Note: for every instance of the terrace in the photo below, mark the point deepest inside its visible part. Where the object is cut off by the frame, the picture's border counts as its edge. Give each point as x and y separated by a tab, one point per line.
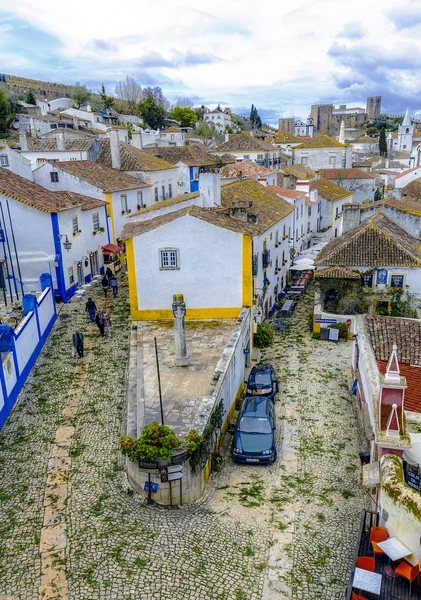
392	588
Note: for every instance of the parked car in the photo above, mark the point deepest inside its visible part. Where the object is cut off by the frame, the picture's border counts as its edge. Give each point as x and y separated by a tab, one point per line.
254	436
263	381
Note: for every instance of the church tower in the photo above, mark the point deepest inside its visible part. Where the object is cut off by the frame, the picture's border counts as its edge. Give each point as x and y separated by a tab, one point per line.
405	134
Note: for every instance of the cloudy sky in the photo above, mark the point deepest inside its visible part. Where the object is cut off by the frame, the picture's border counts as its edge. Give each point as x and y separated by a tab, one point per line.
280	55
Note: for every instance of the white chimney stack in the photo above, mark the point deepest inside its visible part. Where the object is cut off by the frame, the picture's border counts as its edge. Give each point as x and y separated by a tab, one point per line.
61	142
115	149
137	139
314	196
342	133
75	123
210	188
23	142
227	137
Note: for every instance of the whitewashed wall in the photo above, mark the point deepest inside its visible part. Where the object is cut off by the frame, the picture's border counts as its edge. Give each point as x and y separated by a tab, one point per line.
36	156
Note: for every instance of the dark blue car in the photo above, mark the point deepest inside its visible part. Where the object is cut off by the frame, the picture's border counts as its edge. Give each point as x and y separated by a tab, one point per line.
254	437
262	381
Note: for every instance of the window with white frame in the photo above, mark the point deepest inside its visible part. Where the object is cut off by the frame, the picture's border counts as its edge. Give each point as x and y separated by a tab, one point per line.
246	156
397	281
140	199
71	275
302	208
260	157
169	258
308	227
4	161
332	160
75	225
302	230
95	221
304	160
170	190
123	200
309	211
155	191
163	191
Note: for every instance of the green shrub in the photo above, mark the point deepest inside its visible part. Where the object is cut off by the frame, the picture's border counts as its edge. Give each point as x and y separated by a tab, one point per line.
156	441
264	335
316	335
343	330
193	440
310	320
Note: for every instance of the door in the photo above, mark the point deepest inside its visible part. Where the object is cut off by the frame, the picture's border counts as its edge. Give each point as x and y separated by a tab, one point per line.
80	274
94	263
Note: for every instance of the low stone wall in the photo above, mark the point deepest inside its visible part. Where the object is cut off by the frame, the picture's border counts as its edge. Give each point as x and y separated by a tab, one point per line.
229	377
400	506
324	319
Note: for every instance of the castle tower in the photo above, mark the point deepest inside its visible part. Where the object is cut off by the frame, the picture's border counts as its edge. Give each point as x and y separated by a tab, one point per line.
374	107
405	134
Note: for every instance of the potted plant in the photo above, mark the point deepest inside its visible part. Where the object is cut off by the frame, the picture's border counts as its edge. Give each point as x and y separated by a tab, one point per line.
102	229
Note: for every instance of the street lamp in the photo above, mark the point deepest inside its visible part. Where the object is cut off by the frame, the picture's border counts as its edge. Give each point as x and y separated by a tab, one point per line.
67	244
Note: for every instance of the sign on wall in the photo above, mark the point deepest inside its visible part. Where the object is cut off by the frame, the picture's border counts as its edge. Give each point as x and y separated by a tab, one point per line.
381	276
413	478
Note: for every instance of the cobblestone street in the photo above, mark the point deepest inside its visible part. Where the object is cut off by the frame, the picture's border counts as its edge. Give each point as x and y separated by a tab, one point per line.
71	528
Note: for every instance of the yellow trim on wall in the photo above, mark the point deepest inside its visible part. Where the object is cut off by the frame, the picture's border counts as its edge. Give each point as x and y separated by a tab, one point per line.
247	277
131	274
110	213
166	314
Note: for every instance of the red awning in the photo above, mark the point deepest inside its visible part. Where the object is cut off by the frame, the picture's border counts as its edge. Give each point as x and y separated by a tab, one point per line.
111	249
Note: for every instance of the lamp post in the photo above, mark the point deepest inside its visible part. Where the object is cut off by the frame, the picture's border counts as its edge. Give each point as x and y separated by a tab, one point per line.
67	244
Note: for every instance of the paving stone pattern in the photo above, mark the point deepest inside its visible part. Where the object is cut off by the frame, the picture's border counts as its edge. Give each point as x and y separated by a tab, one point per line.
104	542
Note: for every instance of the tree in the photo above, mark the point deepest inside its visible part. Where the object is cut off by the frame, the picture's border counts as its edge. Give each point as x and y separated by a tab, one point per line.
219	107
382	142
4	111
158	96
106	101
183	102
199	110
185	116
205	131
129	90
152	112
255	120
80	95
30	97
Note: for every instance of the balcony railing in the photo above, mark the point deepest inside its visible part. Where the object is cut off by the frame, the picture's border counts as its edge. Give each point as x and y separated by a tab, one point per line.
266	259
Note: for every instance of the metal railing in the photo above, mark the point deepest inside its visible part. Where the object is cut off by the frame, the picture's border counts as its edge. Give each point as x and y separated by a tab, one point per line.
372	520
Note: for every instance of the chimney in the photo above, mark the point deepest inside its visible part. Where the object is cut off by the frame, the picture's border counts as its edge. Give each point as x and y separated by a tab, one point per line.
210	188
386	164
115	149
251	132
227	137
392	396
61	142
263	181
240	175
75	123
351	217
88	108
32	128
314	196
137	139
180	344
302	186
342	133
23	142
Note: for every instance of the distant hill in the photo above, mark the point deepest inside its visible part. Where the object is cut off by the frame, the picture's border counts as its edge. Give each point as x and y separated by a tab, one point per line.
41	89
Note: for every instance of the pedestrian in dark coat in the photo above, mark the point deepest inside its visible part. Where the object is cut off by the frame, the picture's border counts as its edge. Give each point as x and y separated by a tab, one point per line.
99	320
91	309
109	273
107	322
105	285
78	341
114	285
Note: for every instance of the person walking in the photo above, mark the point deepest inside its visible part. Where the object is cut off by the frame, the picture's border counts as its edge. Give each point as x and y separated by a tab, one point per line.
107	322
91	309
99	320
114	285
105	285
78	341
108	273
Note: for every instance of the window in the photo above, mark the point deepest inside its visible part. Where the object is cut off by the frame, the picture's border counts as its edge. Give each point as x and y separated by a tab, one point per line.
246	156
296	212
71	275
304	160
54	177
336	232
172	136
318	207
4	161
332	160
296	234
260	157
95	221
277	236
309	211
289	232
367	280
302	207
336	211
170	190
140	199
283	256
308	227
276	264
169	259
75	225
302	231
396	281
284	231
270	237
155	191
123	200
163	192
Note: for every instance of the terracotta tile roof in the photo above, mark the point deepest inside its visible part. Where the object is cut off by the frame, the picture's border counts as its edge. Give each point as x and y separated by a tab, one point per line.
104	178
172	129
412	400
386	331
243	142
266	206
408	205
337	273
329	190
322	141
34	195
377	241
346	174
298	171
228	158
132	159
408	171
412	190
287	193
50	144
283	137
192	156
248	168
165	203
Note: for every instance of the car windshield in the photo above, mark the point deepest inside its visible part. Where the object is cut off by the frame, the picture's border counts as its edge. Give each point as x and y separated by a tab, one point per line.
250	424
263	379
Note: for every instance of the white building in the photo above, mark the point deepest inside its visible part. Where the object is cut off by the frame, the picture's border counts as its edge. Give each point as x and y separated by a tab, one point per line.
361	183
47	106
332	199
37	223
245	146
220	260
248	169
121	193
14	161
323	152
98	120
218	119
58	148
304	128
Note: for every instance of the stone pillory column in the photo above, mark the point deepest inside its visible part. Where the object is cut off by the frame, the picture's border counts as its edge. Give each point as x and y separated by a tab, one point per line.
179	312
